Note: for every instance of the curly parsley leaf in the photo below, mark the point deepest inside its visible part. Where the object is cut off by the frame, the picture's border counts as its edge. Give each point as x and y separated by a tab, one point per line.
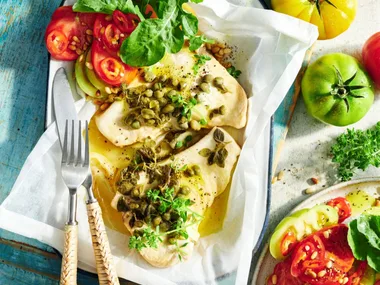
201	60
148	238
234	72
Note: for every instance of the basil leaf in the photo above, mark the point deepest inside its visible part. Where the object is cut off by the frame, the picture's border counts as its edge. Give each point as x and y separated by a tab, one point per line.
153	38
357	241
106	6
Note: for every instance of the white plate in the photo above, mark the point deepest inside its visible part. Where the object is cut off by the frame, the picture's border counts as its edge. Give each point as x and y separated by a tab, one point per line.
266	262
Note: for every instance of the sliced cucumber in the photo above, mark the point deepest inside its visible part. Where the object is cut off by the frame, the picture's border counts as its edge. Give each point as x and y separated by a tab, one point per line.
369	277
302	223
81	78
94	79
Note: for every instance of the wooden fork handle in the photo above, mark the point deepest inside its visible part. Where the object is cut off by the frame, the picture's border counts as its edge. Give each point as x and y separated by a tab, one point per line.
70	256
103	256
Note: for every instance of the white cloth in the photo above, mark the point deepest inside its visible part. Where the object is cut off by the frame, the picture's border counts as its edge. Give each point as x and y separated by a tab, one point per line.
270	52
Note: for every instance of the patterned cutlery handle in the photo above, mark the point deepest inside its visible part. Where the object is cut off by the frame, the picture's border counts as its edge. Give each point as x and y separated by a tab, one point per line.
70	256
103	256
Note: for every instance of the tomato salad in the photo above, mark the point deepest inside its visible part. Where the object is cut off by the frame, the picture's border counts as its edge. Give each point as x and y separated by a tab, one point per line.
317	248
71	34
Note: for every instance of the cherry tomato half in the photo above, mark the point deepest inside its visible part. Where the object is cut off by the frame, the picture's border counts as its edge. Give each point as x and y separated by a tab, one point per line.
101	22
288	242
343	207
126	23
281	275
57	43
355	277
112	37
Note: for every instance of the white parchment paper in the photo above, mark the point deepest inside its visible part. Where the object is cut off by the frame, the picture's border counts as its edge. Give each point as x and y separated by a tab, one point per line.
271	48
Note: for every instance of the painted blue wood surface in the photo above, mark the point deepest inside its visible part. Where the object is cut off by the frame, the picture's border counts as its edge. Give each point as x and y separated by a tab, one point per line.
23	83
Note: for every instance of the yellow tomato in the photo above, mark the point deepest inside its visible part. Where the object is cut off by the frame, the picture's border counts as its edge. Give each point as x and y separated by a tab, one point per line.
332	17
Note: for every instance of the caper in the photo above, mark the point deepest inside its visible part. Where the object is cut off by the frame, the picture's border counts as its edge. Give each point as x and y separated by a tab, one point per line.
147	114
157	86
136	193
134	206
136	125
145	100
151	122
182	85
222	110
163	78
138	224
171	93
163	101
219	82
189	171
182	120
208	78
197	170
158	94
185	190
175	82
166	216
184	126
164	227
154	104
148	93
205	87
149	76
147	219
157	220
143	206
168	109
172	240
195	125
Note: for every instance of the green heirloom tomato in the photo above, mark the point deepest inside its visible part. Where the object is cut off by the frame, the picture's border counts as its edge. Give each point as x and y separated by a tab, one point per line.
337	90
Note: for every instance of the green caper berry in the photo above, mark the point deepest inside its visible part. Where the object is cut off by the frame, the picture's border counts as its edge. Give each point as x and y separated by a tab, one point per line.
175	82
182	85
222	110
147	114
134	206
151	122
195	125
138	224
218	81
136	125
163	78
157	86
185	190
135	193
171	93
205	87
182	120
148	93
163	101
172	240
197	170
154	104
168	109
149	76
157	220
166	216
208	78
158	94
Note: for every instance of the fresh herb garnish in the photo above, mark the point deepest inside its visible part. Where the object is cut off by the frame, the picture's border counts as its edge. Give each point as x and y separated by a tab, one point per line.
152	38
356	149
234	72
184	106
201	60
148	238
197	41
203	122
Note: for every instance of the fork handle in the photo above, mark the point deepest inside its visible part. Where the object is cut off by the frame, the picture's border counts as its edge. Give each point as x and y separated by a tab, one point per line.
103	256
69	258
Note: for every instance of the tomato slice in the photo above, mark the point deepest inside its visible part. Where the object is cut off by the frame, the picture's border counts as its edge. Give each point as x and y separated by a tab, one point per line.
100	24
281	275
63	12
126	23
288	242
112	37
377	283
343	207
109	67
57	43
355	277
87	19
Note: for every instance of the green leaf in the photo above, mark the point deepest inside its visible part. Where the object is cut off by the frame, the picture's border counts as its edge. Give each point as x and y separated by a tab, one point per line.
369	226
189	24
107	6
203	122
357	241
197	41
179	144
373	259
234	72
201	60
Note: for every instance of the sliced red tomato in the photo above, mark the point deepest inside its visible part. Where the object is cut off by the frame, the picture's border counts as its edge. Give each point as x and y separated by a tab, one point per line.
149	10
288	242
57	43
357	275
110	68
281	275
63	12
377	283
101	22
87	19
343	207
112	37
126	23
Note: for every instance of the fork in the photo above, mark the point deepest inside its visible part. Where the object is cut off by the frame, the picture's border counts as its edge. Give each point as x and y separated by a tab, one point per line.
76	172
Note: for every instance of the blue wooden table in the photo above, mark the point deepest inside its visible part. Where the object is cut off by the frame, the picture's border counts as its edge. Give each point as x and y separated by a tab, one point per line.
23	84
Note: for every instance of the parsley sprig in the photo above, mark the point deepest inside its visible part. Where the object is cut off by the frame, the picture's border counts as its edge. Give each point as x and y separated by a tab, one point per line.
356	149
184	105
234	72
201	60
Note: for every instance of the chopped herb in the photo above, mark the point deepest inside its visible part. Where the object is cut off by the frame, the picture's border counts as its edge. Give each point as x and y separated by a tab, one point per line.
179	144
233	71
188	139
201	60
203	122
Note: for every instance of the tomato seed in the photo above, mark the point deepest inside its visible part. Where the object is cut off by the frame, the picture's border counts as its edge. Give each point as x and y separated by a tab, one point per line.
89	32
79	51
75	38
109	18
307	247
314	255
102	30
345	280
274	279
311	273
72	47
89	65
326	234
322	273
329	264
108	90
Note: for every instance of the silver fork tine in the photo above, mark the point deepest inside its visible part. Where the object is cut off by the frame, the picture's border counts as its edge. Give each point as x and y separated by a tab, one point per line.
86	150
64	148
72	150
79	157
